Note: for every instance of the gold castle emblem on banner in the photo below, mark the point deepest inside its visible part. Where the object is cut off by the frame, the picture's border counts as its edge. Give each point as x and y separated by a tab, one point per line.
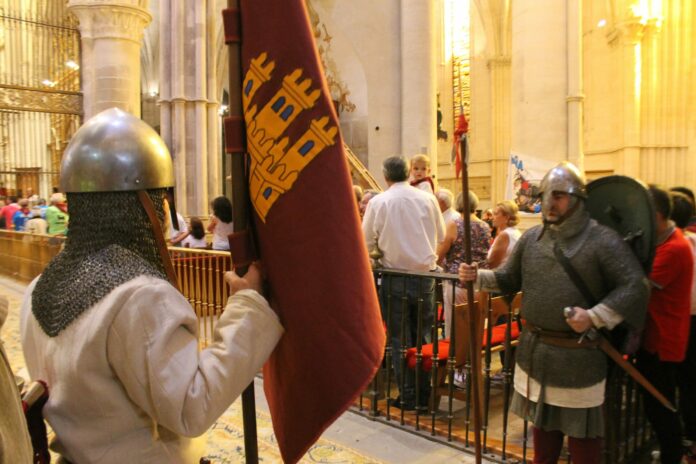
275	167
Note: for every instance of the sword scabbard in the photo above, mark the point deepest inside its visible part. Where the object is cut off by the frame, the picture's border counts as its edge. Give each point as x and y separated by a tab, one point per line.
630	369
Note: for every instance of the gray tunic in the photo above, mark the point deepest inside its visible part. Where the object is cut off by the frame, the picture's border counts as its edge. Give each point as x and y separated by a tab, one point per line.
608	267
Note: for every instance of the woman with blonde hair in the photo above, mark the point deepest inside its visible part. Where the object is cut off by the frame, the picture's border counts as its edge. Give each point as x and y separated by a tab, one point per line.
505	217
451	251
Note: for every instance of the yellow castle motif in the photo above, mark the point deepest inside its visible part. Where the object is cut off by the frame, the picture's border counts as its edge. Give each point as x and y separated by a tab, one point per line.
274	166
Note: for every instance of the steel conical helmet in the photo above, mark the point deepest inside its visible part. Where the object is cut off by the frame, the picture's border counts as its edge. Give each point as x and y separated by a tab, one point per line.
115	151
565	177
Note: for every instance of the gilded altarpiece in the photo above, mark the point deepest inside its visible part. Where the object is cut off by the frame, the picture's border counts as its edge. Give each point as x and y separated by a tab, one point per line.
40	98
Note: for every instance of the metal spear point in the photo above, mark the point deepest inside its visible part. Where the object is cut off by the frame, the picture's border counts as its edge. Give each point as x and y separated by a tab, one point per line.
473	312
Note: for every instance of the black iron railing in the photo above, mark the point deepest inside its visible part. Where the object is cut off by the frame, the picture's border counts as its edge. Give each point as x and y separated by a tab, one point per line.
426	355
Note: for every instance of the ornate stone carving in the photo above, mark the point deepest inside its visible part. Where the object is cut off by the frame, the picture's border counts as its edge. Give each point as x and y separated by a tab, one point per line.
340	92
111	19
26	99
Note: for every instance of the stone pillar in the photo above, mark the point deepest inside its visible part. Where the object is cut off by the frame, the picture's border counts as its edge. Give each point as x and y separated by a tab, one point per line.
213	94
540	79
112	33
630	34
190	124
500	125
575	96
418	80
491	93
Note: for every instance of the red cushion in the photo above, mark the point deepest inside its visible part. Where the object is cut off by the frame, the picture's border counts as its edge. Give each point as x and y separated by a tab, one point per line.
427	352
498	334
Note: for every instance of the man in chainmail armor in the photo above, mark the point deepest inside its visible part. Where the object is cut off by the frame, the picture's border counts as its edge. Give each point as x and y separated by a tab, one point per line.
560	377
104	327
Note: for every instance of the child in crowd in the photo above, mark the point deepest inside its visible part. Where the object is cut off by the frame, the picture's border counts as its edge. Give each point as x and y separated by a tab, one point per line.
196	237
221	223
420	174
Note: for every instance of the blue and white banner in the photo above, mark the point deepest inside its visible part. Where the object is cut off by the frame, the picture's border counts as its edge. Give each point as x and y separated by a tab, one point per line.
524	175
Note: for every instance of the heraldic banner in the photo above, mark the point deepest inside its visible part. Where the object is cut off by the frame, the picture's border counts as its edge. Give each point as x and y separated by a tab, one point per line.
523	178
308	229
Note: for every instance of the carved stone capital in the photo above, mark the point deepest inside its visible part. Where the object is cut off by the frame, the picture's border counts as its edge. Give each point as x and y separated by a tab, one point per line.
117	19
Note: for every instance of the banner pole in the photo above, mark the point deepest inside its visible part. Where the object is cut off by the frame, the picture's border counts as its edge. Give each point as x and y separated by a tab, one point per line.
473	309
240	209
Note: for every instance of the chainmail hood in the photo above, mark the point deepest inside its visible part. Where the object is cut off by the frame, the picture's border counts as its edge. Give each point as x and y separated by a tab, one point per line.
110	241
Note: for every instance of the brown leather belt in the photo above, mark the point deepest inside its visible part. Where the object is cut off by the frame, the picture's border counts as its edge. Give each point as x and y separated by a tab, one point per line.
561	339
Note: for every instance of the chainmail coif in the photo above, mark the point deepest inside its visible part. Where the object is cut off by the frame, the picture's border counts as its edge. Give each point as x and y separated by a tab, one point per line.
110	242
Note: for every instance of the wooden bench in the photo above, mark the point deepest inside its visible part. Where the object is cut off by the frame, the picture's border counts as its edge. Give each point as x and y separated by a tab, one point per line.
490	310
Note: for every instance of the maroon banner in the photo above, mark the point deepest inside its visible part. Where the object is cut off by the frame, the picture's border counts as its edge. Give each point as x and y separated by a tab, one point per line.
308	229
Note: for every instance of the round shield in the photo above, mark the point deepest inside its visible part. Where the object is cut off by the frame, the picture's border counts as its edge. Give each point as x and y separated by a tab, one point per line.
624	204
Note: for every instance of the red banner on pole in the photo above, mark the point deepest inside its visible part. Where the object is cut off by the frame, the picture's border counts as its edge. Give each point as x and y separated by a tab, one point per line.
308	229
461	131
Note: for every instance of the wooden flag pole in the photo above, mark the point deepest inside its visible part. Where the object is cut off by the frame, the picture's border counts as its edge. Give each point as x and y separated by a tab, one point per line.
473	312
240	200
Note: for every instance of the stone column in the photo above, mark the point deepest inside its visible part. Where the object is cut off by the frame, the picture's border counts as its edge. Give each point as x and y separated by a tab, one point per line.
112	33
188	105
630	34
540	79
491	96
500	125
575	96
418	80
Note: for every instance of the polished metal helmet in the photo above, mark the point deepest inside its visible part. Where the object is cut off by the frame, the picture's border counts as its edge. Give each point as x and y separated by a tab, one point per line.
113	152
565	177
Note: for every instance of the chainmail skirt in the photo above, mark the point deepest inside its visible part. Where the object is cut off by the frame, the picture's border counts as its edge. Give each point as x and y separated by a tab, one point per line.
574	422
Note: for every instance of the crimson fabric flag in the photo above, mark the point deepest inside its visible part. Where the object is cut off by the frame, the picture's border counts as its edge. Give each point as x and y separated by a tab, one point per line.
460	133
307	229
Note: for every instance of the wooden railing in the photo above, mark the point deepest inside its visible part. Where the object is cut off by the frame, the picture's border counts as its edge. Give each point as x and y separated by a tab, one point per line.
24	256
361	176
200	273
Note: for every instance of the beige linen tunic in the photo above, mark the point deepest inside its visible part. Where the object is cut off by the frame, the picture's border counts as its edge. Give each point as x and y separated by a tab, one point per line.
15	444
127	381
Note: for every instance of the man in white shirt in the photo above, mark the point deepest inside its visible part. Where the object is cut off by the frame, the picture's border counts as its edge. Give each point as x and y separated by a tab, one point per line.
404	225
445	198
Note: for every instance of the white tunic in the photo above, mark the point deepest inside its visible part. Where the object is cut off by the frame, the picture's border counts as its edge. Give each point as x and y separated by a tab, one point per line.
127	381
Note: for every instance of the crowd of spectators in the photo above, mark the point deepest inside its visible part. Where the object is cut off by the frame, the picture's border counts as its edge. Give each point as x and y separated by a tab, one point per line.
31	214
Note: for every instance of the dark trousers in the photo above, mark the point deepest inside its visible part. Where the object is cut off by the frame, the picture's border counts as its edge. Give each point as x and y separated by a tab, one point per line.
400	299
687	386
665	423
547	448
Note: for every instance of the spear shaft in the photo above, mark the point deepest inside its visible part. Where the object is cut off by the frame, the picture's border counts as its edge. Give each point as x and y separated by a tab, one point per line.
473	309
240	211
